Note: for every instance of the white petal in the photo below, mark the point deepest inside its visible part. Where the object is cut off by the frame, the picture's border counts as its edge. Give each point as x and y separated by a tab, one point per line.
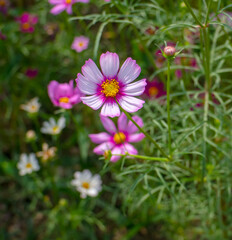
109	64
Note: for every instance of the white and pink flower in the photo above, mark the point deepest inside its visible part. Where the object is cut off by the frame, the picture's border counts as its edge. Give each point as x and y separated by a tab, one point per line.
61	5
112	85
117	140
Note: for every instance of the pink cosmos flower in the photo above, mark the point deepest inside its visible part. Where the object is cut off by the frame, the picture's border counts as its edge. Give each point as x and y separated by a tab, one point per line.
27	22
201	97
31	72
63	95
2	36
111	84
61	5
117	139
154	89
80	43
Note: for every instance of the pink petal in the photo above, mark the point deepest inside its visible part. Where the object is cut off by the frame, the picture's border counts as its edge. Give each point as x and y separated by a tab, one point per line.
69	9
109	64
91	72
122	122
94	101
66	105
52	86
100	149
136	137
129	71
110	109
130	149
99	137
131	104
58	9
108	124
86	86
75	99
131	127
55	1
135	89
116	150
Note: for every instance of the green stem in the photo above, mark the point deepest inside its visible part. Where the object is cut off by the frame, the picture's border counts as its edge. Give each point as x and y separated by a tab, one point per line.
168	110
144	132
143	157
192	13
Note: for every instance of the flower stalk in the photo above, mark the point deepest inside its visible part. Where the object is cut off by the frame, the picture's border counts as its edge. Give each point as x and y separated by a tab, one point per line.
168	110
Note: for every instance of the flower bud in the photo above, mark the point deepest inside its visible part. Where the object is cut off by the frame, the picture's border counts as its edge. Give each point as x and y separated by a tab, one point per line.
169	51
30	135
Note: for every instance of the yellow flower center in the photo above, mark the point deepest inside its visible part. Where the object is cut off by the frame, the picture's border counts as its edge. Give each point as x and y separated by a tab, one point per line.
55	129
85	185
25	26
64	100
153	91
119	138
28	165
81	44
110	87
68	1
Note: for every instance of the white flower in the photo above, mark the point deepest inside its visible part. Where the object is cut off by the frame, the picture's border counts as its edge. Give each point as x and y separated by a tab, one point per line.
30	135
52	127
31	106
87	184
27	164
46	153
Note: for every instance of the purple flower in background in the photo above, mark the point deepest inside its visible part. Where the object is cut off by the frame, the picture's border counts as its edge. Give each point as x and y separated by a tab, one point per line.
112	85
61	5
117	140
27	22
201	97
80	43
2	36
186	62
4	4
224	18
154	89
63	95
31	72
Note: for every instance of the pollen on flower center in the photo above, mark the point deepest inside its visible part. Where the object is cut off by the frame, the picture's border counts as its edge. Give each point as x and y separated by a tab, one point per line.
85	185
64	100
153	91
25	25
119	138
81	44
68	1
28	165
110	87
55	129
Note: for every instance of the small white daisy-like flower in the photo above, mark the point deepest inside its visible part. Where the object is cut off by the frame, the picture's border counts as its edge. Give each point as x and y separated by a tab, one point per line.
46	153
31	106
87	184
30	135
27	164
52	127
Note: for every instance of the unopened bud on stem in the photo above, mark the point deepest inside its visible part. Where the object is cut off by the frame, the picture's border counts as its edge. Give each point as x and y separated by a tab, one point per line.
169	51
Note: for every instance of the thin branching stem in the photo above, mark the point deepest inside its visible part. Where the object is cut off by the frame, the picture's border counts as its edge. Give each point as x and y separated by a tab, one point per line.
168	110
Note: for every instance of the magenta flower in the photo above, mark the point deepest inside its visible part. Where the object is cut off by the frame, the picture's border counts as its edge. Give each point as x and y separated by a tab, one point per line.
63	95
185	61
2	36
154	89
111	85
201	97
117	140
27	22
4	5
80	43
31	72
61	5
